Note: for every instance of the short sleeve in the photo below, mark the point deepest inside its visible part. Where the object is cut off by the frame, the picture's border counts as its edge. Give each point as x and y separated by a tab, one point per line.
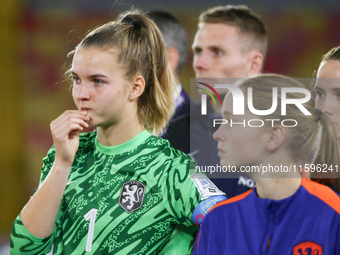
22	241
179	191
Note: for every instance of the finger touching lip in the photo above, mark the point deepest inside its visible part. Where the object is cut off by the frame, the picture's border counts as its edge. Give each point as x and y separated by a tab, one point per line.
88	129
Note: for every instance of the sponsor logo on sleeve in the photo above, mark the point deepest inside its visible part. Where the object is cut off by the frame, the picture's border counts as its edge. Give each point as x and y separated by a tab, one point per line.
205	186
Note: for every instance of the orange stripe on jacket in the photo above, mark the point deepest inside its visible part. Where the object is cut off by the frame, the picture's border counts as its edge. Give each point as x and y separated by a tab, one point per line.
231	200
323	192
198	238
224	202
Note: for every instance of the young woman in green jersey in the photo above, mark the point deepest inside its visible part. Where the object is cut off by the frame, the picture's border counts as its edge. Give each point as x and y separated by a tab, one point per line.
119	189
327	91
286	213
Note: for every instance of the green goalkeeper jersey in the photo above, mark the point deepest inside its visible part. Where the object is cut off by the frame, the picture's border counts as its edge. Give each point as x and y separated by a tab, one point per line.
125	199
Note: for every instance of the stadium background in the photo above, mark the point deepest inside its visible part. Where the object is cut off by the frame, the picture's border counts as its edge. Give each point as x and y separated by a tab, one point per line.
36	35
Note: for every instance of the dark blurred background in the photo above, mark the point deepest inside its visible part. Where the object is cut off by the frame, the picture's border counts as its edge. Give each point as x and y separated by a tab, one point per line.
36	36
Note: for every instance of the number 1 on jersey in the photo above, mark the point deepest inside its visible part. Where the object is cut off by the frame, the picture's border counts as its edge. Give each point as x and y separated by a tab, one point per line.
91	215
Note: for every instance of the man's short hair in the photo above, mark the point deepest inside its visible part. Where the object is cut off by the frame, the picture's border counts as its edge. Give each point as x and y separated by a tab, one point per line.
173	33
244	19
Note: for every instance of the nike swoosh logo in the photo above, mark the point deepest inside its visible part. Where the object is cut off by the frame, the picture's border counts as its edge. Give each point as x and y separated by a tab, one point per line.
70	182
193	153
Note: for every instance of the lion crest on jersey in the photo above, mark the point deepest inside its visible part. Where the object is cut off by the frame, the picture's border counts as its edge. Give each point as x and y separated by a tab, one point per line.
132	196
307	248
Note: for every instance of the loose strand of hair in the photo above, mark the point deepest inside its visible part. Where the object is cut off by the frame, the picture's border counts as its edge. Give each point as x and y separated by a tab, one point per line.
327	156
